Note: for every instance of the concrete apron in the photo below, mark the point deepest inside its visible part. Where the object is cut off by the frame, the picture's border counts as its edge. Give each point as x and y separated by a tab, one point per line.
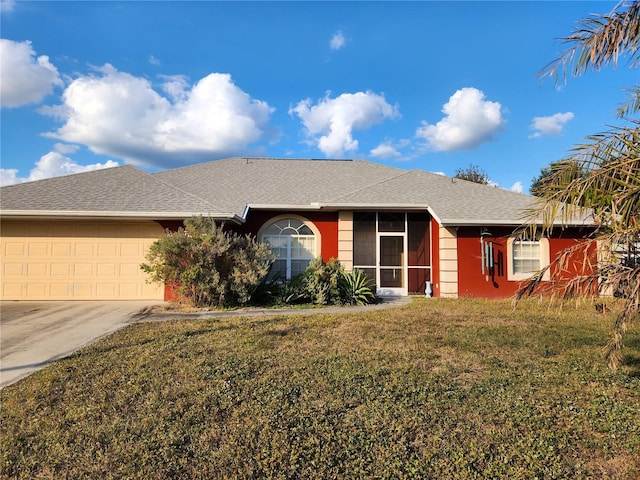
35	334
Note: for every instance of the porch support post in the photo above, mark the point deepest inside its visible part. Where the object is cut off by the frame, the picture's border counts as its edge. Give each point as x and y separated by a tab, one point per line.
448	262
345	240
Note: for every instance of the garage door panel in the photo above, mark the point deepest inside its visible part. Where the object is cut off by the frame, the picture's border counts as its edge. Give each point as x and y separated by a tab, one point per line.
37	289
131	250
83	290
37	249
13	269
61	290
85	249
129	269
108	249
12	290
83	270
60	261
15	249
60	269
40	269
61	249
107	269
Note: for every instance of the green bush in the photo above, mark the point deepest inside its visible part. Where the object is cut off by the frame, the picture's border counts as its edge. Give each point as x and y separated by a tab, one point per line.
356	289
211	267
328	284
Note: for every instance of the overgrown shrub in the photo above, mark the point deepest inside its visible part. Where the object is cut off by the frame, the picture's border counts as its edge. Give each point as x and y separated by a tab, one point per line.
208	265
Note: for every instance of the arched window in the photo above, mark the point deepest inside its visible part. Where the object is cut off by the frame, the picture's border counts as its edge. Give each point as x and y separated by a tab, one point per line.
294	244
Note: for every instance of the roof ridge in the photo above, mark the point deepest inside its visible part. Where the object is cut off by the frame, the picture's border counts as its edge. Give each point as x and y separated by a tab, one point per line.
181	190
353	192
88	172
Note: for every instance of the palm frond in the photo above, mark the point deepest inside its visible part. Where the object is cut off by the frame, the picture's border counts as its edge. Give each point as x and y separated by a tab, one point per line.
632	105
601	177
598	41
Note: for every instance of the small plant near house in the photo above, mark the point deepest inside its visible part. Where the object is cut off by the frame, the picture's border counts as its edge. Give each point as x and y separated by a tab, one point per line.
355	288
328	284
210	266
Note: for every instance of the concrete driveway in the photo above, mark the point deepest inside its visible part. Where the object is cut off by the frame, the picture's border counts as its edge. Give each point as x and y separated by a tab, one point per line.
34	334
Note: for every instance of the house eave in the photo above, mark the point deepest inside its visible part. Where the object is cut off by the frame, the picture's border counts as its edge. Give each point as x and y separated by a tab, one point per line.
111	215
342	206
453	222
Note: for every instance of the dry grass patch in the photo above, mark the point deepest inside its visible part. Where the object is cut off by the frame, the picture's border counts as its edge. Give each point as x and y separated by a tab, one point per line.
436	389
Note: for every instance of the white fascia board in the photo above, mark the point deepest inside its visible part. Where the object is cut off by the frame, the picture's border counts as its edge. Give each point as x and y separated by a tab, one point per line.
341	206
278	206
385	206
374	206
83	214
452	222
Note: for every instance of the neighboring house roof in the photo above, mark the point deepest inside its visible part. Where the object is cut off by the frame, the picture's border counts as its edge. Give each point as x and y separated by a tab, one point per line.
229	188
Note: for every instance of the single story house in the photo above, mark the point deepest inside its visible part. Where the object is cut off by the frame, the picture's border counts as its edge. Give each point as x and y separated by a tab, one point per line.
84	236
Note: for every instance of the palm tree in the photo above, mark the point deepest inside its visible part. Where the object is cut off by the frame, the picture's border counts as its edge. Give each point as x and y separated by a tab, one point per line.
602	175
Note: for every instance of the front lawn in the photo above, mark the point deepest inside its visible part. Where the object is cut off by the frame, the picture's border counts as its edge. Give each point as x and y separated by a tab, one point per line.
435	389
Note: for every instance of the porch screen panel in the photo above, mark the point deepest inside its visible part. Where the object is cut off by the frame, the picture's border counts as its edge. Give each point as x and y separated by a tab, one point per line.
364	239
418	239
417	278
371	275
391	222
419	254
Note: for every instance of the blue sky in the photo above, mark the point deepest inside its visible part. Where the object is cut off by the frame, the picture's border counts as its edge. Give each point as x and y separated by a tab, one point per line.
428	85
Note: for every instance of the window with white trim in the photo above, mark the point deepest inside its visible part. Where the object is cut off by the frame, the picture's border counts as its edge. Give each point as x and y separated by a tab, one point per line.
293	244
526	256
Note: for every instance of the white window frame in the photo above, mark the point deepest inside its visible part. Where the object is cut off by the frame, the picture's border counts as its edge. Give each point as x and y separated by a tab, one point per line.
544	258
263	236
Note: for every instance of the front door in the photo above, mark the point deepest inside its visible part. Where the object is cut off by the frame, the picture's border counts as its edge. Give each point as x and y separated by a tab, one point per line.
391	261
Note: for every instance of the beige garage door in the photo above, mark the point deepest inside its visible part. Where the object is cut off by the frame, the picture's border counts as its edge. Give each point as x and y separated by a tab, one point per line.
76	260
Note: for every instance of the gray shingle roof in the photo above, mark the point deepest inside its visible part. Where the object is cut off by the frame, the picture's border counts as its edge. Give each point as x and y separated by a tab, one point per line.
452	201
226	188
113	191
235	183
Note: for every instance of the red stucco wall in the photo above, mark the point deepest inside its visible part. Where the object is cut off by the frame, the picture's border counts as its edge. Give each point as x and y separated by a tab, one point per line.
325	222
473	283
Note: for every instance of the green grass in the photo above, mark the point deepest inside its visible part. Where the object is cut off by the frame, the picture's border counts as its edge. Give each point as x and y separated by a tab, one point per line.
436	389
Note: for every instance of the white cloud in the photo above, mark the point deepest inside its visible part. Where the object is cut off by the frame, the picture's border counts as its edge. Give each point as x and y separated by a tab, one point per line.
118	114
469	121
176	86
7	5
551	125
516	187
65	148
337	41
24	78
53	164
385	150
153	60
331	122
